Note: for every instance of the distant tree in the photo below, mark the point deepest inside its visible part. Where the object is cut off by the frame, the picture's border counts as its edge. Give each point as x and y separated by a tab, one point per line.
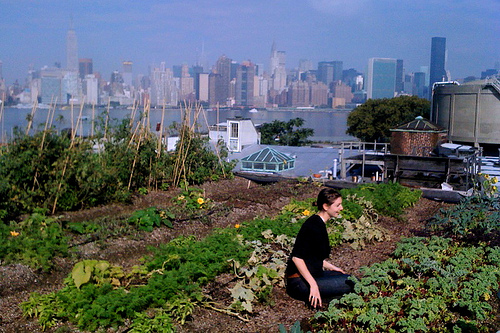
373	120
285	133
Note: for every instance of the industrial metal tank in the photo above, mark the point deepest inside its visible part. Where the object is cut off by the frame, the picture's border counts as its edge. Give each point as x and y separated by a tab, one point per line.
470	112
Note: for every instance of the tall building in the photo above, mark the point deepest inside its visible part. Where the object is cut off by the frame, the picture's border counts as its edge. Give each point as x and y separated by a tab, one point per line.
71	49
91	89
1	76
399	76
330	71
438	62
342	90
127	73
325	72
222	84
163	90
51	91
201	86
277	68
318	93
85	67
381	78
419	85
214	97
299	94
305	65
245	78
186	84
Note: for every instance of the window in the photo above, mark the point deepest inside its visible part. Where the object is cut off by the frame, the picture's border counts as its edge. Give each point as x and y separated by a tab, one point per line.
234	130
270	166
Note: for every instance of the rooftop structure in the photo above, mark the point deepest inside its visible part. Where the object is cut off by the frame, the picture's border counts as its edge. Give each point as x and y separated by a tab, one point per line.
470	112
267	160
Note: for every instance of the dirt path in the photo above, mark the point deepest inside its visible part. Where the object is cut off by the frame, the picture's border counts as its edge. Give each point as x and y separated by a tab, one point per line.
243	201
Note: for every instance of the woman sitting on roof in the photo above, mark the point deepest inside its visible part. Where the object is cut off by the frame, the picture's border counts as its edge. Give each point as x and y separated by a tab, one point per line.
309	277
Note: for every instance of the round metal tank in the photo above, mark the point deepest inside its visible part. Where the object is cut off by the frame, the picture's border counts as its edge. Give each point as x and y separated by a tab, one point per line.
470	112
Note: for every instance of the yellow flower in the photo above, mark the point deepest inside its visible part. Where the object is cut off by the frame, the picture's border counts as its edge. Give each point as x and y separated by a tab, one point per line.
14	233
200	201
494	188
486	176
180	197
494	180
306	212
486	296
237	226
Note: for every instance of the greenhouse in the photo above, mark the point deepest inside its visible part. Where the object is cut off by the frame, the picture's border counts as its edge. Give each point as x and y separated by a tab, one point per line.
267	160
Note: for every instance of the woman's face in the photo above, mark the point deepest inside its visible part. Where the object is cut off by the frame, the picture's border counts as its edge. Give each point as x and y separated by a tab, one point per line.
334	209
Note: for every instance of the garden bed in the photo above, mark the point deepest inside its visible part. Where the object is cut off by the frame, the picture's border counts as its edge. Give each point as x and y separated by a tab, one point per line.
238	201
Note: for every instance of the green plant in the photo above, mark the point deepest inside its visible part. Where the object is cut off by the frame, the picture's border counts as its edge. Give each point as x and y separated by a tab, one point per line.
181	306
34	241
157	322
82	228
486	185
98	272
432	285
475	220
59	172
263	270
147	219
388	199
362	230
192	199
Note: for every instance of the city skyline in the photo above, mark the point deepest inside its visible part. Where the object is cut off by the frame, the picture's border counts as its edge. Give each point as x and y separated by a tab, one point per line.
149	32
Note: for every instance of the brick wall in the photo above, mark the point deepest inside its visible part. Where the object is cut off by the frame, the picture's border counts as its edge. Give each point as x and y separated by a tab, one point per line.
415	143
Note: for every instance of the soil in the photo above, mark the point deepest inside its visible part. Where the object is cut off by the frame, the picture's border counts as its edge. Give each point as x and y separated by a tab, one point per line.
243	201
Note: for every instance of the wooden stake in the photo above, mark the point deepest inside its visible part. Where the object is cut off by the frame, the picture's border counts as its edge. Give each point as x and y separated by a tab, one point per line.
32	116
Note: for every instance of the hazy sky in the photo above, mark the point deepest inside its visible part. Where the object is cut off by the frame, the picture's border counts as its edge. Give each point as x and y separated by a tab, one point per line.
148	32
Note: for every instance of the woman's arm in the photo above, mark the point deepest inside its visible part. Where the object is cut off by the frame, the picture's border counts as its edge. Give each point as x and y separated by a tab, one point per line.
331	267
314	295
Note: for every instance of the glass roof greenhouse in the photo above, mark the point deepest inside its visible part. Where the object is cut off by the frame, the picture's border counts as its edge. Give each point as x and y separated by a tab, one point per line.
267	160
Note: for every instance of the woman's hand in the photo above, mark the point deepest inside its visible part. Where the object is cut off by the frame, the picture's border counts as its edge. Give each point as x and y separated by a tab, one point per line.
330	267
314	296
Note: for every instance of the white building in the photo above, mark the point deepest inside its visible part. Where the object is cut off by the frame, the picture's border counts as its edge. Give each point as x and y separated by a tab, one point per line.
236	133
163	87
91	89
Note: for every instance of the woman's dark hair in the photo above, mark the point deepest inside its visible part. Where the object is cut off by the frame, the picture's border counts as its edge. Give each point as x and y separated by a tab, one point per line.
326	196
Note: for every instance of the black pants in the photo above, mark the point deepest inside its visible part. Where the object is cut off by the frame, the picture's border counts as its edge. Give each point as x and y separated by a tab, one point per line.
332	284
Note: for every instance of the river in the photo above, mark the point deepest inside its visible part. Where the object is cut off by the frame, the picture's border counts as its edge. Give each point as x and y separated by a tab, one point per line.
328	124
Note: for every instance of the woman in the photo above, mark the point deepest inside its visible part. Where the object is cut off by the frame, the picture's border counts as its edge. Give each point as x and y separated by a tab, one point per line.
310	277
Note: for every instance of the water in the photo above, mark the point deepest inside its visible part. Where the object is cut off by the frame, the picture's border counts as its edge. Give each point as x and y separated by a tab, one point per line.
328	125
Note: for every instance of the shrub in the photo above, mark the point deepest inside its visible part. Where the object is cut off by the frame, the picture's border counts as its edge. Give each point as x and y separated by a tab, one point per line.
429	285
389	199
34	241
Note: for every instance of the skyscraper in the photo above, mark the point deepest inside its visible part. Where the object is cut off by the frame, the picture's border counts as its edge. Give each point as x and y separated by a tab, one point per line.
186	84
223	67
325	72
419	84
277	68
381	78
85	67
127	73
245	76
330	71
71	49
438	62
399	76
